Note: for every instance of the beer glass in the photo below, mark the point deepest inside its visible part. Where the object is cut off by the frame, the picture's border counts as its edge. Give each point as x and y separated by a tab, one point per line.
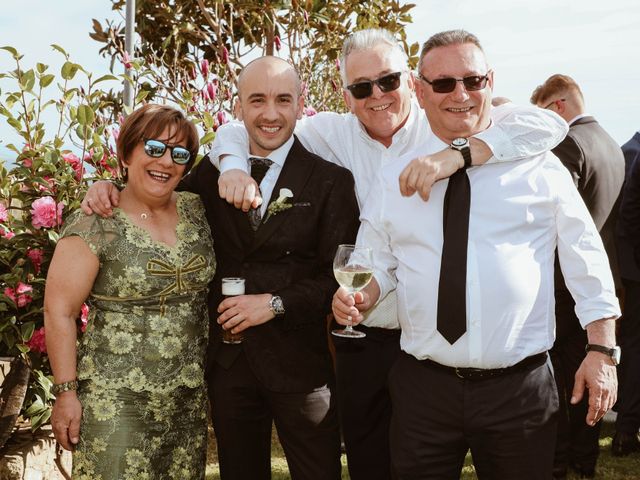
231	287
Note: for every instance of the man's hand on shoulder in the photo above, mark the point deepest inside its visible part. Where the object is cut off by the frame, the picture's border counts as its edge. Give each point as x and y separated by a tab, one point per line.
244	311
422	172
100	198
239	189
597	374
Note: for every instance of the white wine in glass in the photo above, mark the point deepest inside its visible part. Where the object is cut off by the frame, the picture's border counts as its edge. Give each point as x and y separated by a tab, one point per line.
353	268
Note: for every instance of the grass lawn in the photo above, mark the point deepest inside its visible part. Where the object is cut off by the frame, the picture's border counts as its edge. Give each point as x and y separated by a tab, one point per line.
609	468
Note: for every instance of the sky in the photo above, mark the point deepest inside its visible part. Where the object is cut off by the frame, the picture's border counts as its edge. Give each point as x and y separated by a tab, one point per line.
594	41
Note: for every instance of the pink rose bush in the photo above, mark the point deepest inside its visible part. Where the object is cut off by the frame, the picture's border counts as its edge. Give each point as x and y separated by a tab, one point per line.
37	342
4	214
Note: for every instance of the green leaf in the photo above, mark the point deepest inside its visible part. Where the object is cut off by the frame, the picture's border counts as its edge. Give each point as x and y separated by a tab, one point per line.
46	80
27	80
60	49
105	78
41	67
207	138
69	70
12	51
22	347
37	422
14	123
53	236
27	331
142	94
85	115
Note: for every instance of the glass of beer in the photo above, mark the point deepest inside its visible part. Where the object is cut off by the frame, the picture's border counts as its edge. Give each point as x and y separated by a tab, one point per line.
231	287
353	269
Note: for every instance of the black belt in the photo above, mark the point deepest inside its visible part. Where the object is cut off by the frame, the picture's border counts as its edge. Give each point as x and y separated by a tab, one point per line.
483	373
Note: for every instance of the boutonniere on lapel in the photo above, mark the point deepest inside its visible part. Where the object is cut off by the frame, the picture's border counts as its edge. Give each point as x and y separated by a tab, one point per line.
279	205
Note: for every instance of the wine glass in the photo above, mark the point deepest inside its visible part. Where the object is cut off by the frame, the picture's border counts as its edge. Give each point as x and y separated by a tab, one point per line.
353	269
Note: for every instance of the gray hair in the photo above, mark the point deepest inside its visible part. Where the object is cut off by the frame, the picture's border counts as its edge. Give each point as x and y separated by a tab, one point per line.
365	40
444	39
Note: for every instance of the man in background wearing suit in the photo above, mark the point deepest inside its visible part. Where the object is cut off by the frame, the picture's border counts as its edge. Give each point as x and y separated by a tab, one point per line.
626	440
596	164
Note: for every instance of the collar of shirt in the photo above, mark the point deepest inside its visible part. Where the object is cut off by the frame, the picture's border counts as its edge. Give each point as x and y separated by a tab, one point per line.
278	157
577	117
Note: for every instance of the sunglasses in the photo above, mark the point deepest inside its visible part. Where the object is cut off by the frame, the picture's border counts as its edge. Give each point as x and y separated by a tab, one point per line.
156	148
386	84
557	100
448	85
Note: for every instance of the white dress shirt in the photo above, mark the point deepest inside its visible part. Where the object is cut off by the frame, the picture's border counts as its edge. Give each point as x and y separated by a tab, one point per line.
519	212
278	156
516	132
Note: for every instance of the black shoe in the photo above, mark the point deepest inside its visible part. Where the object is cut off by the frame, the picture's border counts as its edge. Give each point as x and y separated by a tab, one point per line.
624	443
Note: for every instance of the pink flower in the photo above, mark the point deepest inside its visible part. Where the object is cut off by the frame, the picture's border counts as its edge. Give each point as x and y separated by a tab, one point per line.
334	85
205	94
84	317
192	73
4	214
225	55
212	90
75	163
338	64
10	293
277	42
204	67
126	60
23	288
222	118
24	300
6	233
27	162
37	342
306	16
36	255
45	213
310	111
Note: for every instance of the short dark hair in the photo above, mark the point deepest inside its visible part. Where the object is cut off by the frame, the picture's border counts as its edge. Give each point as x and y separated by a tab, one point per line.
444	39
150	121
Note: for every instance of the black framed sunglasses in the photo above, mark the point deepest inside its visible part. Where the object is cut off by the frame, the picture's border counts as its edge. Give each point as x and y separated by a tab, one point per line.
156	148
387	83
448	85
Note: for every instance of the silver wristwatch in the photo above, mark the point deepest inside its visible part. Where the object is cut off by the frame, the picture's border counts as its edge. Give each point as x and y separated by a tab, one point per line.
276	305
614	353
462	145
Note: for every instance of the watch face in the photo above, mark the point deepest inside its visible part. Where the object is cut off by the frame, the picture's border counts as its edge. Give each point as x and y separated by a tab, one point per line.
616	355
459	142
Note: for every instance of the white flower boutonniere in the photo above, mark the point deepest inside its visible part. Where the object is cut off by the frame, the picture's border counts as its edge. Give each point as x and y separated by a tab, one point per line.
280	204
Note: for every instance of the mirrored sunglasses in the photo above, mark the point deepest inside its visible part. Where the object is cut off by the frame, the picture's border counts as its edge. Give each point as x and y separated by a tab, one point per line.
156	148
386	84
448	85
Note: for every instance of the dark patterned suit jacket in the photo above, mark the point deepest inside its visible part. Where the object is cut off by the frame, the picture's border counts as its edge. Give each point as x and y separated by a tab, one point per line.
290	255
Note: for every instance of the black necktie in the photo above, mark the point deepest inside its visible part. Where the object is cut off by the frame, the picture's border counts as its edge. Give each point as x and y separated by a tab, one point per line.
259	168
452	290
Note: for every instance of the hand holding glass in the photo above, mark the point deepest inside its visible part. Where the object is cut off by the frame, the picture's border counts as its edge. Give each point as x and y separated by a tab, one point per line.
353	268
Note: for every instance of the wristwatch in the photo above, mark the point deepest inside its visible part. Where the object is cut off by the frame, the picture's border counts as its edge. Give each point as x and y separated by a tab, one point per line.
615	353
276	305
462	145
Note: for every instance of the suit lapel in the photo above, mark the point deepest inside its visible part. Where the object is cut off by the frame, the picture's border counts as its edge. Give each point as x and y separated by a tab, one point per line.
295	172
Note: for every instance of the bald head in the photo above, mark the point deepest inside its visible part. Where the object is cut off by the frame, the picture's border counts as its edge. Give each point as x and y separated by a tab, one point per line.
269	103
273	67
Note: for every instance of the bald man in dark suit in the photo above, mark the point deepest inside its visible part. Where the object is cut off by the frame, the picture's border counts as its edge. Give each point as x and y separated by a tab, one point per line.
596	164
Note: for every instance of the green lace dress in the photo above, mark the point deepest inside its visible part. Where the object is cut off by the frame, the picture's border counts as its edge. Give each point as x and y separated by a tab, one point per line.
141	359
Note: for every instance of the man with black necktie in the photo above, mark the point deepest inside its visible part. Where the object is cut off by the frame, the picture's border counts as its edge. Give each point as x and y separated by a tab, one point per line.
596	165
474	372
281	372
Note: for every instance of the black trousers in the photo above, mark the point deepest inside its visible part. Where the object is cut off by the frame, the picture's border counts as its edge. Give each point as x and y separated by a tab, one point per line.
577	442
243	411
362	372
508	422
628	406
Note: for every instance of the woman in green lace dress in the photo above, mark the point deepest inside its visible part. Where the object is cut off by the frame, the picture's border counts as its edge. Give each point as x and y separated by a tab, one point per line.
138	408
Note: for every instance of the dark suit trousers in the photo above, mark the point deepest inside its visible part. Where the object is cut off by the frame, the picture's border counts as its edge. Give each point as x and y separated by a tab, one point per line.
243	412
362	372
577	442
508	422
628	406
